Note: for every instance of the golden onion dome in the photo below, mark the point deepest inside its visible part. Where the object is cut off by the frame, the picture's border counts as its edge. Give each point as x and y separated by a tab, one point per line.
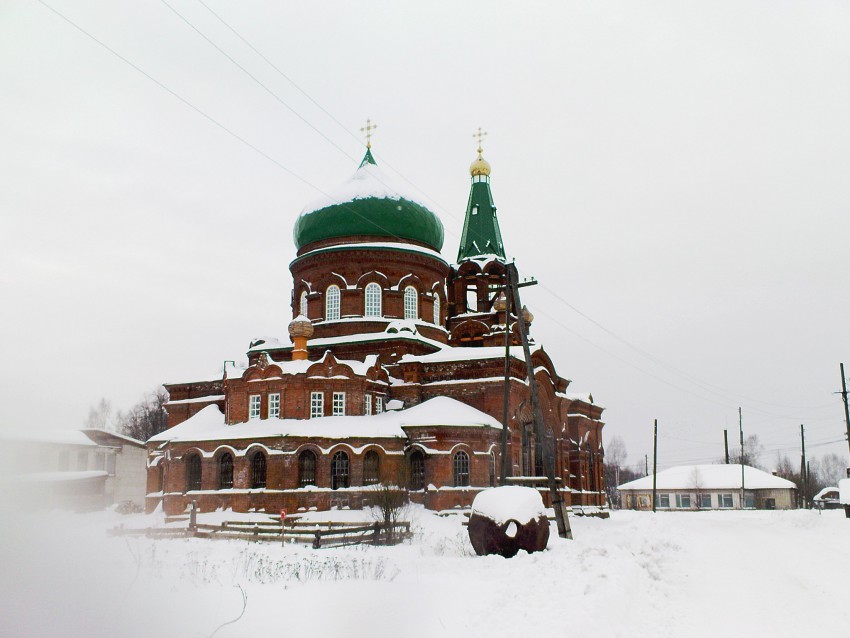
479	167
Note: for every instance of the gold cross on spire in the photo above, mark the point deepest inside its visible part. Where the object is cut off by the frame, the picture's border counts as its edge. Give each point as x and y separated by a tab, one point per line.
368	130
480	135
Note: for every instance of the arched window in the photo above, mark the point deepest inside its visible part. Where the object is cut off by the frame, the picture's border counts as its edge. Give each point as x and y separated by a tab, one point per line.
461	469
371	468
193	473
303	309
306	468
417	471
225	472
411	303
437	310
373	300
258	471
332	303
339	471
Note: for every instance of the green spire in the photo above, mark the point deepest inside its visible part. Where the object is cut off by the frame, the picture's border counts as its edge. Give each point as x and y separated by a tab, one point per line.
481	234
368	159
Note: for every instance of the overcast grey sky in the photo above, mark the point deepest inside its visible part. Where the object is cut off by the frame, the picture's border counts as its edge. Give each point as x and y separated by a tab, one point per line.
677	172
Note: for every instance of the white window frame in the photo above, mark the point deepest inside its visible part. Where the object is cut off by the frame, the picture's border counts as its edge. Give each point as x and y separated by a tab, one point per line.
436	310
254	401
379	405
411	303
274	405
704	500
373	300
332	303
680	501
302	309
367	404
317	405
661	499
338	404
721	501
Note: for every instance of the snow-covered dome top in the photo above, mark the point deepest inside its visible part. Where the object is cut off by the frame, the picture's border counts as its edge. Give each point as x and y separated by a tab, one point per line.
369	204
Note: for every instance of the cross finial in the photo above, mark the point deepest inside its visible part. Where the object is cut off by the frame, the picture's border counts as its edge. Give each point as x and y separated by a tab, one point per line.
480	135
368	130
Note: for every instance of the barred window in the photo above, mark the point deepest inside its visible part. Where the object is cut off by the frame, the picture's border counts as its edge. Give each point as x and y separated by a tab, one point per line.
437	310
258	471
254	406
461	469
339	471
306	468
367	404
371	468
339	403
317	404
303	309
411	303
274	405
417	471
379	405
332	303
373	300
225	472
193	473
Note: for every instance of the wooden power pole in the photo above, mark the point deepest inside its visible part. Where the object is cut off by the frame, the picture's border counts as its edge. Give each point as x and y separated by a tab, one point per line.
503	478
654	462
726	444
804	475
741	432
547	443
846	410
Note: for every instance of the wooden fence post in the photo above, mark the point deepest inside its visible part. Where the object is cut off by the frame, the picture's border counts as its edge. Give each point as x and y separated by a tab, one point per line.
317	540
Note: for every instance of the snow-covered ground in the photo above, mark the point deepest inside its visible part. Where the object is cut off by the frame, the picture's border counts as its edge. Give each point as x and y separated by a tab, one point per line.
637	574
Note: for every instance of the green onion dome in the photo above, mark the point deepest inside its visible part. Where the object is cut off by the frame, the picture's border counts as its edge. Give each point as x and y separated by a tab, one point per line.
371	205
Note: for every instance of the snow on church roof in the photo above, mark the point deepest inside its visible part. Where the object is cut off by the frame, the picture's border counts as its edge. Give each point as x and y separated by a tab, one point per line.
709	477
209	425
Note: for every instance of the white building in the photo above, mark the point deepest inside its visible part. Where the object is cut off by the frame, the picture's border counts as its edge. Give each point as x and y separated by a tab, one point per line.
72	469
703	487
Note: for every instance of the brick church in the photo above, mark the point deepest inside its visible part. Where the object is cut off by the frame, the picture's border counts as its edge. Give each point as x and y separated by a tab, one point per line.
394	372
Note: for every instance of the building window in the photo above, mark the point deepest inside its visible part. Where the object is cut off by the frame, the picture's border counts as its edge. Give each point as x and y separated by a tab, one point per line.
411	303
274	405
724	500
193	473
461	469
303	309
683	501
379	405
367	404
417	471
663	500
306	468
749	501
254	406
258	471
339	471
492	469
371	468
225	472
338	404
332	303
437	310
705	500
317	404
373	300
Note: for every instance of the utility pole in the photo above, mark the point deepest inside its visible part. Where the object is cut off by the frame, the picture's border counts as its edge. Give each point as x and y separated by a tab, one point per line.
654	462
503	479
804	474
547	443
844	396
741	431
726	444
646	464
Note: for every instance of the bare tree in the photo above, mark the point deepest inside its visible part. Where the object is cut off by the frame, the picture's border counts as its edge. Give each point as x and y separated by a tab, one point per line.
753	450
832	468
147	417
616	472
390	497
696	484
100	416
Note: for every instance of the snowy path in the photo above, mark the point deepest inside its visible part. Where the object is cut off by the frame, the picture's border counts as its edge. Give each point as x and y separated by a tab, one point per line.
671	574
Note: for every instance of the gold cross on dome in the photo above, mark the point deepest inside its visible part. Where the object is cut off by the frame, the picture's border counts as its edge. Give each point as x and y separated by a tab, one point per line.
368	130
480	135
